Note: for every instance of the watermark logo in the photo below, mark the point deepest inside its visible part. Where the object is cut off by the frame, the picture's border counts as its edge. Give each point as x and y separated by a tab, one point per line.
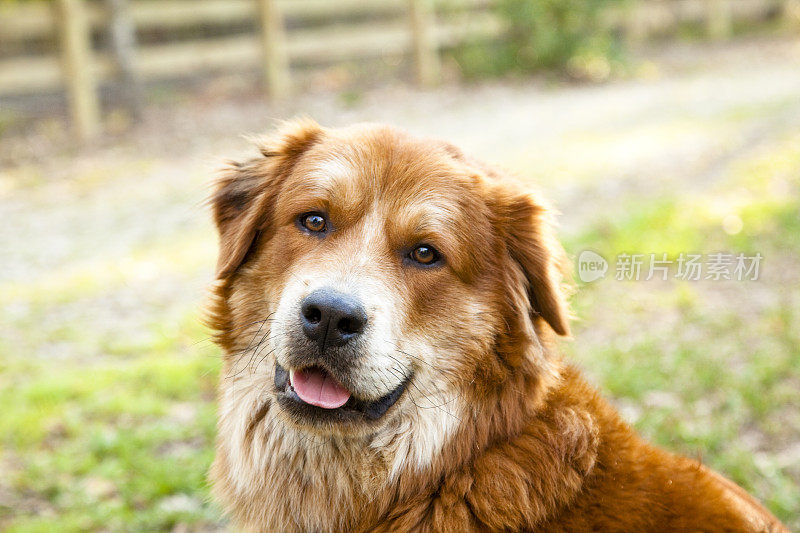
686	267
591	266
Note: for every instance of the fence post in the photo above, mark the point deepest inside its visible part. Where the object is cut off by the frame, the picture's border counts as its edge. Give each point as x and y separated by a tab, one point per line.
425	46
719	24
275	60
123	48
76	59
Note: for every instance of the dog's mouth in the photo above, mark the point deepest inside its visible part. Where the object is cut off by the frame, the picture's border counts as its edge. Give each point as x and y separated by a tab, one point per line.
315	386
314	394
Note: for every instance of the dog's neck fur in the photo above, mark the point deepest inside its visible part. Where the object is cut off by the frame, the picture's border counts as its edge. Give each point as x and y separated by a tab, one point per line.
289	478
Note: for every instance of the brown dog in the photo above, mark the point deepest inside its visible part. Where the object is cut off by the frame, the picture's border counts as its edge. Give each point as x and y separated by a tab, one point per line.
388	310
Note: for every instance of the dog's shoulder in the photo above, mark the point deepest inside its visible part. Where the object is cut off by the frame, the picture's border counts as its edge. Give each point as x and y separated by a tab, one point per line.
544	468
634	486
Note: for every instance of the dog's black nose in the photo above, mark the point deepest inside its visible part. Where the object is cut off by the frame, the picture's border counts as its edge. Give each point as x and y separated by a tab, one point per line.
331	318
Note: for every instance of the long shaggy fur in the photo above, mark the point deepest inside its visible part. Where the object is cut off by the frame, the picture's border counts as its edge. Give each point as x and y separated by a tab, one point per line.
495	431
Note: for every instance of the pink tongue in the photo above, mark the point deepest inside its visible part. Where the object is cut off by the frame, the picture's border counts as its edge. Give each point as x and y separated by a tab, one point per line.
317	387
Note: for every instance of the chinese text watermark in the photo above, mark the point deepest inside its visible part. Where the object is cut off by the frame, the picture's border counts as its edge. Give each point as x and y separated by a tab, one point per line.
686	266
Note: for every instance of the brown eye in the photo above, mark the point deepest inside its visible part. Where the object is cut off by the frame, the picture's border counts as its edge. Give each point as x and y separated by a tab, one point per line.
314	222
425	255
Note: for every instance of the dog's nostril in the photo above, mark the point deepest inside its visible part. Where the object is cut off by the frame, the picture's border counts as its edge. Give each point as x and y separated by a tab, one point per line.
348	326
312	314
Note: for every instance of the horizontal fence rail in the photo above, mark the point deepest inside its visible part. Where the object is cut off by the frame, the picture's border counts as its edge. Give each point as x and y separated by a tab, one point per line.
275	36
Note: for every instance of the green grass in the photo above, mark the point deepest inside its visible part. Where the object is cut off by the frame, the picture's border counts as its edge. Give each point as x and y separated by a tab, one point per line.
118	433
703	370
107	443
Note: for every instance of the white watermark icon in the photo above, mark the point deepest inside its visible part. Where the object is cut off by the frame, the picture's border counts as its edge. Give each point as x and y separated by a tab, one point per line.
591	266
716	266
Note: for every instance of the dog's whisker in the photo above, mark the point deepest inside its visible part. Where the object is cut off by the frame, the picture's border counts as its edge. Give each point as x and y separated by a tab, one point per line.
257	333
263	358
212	338
253	355
426	395
447	378
264	341
243	353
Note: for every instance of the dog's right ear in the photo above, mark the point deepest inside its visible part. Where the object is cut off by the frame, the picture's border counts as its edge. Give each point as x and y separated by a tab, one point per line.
244	194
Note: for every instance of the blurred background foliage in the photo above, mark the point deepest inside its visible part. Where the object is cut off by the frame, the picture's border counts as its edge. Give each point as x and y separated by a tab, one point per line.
655	127
564	37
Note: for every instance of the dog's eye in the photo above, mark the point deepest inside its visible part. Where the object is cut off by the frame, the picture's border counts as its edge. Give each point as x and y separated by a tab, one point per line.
313	222
424	255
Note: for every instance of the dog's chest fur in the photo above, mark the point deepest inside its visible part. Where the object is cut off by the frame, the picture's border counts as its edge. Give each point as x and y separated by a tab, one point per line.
277	478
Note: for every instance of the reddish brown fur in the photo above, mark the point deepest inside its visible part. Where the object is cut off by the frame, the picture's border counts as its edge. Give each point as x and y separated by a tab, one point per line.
536	447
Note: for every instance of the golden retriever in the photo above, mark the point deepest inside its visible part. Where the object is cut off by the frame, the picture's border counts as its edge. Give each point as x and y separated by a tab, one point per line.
388	310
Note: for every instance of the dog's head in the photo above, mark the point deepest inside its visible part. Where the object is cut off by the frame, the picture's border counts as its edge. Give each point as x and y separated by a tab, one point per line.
369	282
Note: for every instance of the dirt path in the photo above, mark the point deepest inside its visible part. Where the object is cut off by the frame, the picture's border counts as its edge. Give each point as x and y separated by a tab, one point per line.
96	213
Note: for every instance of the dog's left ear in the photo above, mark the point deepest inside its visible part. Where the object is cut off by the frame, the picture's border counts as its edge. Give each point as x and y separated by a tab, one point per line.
243	199
531	242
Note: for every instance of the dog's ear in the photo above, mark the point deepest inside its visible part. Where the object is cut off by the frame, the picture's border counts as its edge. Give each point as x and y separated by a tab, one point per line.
531	243
244	195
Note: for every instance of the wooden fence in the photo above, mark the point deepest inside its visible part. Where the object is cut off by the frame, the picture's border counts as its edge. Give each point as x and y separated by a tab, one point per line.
285	33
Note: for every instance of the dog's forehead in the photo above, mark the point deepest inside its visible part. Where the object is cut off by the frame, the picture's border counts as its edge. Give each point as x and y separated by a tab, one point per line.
387	168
